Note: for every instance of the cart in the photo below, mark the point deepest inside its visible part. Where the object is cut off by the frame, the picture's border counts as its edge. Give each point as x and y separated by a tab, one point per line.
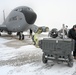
57	49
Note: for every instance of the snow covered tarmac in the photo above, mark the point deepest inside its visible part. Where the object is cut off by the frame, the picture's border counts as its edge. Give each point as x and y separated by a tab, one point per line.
22	58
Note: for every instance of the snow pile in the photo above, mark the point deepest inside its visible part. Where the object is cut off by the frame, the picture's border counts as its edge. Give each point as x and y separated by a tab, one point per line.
27	60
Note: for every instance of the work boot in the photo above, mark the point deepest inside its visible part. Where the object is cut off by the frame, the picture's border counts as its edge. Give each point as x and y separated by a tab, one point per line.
75	57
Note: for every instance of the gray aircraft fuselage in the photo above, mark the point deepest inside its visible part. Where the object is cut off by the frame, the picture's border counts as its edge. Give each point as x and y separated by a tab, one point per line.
20	19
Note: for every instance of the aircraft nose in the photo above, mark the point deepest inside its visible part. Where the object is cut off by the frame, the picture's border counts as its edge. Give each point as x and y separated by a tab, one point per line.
30	16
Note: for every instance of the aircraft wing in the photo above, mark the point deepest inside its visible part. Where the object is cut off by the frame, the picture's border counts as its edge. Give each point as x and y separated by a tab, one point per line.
3	28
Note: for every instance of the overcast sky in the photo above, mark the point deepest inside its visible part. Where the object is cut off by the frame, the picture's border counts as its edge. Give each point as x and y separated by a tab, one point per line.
52	13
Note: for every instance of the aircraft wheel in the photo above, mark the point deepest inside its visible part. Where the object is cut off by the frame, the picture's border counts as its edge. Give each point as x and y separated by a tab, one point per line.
18	33
19	37
9	33
0	34
22	37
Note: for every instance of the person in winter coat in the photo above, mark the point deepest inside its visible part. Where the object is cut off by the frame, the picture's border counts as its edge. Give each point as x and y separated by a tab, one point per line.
72	35
35	36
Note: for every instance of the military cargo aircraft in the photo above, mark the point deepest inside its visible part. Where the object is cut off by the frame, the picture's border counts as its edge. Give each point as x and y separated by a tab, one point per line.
19	20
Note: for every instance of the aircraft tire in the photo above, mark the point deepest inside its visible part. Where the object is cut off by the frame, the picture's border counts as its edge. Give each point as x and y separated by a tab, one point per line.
19	37
22	37
0	34
9	33
18	33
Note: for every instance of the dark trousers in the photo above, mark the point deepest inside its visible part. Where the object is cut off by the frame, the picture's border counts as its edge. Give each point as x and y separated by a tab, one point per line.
30	32
74	52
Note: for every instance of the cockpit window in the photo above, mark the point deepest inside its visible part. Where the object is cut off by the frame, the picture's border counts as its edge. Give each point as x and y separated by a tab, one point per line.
29	9
28	13
13	18
20	9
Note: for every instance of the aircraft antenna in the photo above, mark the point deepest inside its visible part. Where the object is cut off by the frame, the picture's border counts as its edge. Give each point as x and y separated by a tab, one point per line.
4	15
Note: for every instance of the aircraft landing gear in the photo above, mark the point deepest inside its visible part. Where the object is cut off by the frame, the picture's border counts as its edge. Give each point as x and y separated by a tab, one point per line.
0	34
9	33
21	36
